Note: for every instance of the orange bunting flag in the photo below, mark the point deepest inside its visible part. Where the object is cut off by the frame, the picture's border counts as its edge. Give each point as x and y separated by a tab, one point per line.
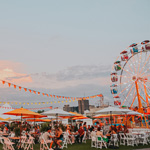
43	94
9	84
25	89
51	95
47	95
54	96
3	82
15	86
20	88
63	97
38	93
57	96
34	92
29	90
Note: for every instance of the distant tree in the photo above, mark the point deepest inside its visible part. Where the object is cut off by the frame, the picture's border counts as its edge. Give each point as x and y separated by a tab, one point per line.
40	111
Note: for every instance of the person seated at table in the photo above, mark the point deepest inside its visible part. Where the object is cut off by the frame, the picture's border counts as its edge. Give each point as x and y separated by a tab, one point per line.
5	130
58	138
99	132
115	128
68	130
110	132
119	129
37	131
89	127
80	134
125	129
85	127
93	134
47	135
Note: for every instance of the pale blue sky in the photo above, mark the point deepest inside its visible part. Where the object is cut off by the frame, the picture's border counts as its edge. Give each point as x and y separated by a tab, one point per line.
50	36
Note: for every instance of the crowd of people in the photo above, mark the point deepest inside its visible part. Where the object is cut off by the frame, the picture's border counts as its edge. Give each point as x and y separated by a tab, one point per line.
53	135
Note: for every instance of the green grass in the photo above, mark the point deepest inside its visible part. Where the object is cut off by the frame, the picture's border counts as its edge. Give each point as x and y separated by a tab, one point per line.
87	146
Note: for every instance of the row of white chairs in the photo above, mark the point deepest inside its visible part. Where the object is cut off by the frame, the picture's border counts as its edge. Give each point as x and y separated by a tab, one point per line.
129	139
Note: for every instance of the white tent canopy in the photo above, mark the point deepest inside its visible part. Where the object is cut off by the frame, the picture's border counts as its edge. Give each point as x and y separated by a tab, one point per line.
114	110
5	108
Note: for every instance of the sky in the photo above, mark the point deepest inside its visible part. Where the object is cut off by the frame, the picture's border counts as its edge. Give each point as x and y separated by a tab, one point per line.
66	47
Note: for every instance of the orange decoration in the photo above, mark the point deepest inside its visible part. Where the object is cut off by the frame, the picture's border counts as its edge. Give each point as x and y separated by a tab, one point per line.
20	88
38	93
3	82
54	96
34	92
57	96
51	95
25	89
15	86
9	84
43	94
29	90
47	95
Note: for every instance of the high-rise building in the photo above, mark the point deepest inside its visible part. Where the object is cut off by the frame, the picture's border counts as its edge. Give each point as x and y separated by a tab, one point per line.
83	105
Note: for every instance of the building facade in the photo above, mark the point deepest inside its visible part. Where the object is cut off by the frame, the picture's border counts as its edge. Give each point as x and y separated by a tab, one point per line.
83	105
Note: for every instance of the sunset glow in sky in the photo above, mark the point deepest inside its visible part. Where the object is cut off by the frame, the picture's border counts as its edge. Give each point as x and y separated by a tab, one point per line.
66	47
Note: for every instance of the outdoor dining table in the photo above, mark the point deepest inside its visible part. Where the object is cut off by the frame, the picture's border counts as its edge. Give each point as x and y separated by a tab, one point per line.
5	134
15	140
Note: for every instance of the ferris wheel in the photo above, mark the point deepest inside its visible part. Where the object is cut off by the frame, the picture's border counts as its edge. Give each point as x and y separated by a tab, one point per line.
130	76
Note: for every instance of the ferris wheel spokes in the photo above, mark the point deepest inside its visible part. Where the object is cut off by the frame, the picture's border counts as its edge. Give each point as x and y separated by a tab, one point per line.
144	64
128	93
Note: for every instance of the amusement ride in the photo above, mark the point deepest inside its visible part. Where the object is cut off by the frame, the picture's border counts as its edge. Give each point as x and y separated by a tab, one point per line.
130	77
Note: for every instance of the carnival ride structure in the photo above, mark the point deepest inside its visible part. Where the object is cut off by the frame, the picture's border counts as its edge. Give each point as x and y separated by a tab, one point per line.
130	76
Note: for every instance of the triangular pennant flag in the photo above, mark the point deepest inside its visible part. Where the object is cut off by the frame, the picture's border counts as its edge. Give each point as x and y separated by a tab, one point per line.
25	89
3	82
29	90
20	88
9	84
38	93
15	86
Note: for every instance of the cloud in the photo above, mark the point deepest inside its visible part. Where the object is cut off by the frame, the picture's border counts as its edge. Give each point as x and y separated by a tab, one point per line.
8	72
73	76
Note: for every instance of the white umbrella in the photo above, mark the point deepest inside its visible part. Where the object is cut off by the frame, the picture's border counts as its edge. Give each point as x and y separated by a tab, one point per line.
111	110
134	113
57	112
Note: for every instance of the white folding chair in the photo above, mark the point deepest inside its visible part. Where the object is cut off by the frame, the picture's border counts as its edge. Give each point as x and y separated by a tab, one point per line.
123	139
29	143
114	140
65	137
8	145
143	138
100	142
93	141
23	141
130	139
44	143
